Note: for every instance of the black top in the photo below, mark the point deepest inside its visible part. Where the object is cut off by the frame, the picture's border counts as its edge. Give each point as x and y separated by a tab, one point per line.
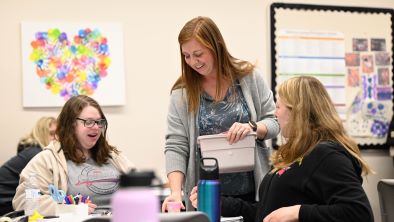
9	176
327	184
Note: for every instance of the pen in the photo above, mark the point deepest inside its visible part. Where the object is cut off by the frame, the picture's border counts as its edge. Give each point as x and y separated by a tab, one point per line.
83	199
71	199
76	200
50	217
66	200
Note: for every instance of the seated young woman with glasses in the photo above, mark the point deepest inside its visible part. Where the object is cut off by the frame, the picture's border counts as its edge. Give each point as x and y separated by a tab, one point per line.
78	161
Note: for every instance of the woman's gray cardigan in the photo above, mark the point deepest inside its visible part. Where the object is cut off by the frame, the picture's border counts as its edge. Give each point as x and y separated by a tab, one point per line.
182	131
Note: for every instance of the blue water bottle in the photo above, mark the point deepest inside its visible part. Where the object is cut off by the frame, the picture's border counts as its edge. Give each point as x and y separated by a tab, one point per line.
209	189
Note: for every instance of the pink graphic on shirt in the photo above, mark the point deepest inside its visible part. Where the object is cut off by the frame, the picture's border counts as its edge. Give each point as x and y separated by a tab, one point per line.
98	181
283	170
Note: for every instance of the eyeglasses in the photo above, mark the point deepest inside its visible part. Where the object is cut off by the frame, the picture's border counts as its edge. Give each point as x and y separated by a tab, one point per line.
89	123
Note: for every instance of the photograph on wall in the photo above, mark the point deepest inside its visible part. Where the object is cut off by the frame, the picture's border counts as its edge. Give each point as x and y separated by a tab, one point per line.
61	60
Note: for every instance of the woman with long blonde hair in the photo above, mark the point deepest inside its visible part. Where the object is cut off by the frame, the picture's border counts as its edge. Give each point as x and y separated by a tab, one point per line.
29	146
313	117
41	134
317	171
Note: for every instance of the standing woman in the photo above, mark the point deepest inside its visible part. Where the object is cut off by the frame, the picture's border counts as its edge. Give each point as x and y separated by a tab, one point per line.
40	136
215	93
80	160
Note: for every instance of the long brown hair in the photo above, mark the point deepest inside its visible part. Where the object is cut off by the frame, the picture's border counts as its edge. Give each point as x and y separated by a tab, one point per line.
65	131
205	31
313	119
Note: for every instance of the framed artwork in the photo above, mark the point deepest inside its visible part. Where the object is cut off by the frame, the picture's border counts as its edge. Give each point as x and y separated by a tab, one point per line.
350	50
60	60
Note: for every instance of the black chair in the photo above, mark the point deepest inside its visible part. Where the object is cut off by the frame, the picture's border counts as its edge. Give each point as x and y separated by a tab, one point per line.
15	213
386	199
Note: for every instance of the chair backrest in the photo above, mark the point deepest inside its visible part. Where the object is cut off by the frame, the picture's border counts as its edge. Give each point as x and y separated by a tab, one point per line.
386	199
189	216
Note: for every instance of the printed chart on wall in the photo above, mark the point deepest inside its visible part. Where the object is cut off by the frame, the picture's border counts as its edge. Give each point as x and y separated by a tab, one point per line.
350	50
62	59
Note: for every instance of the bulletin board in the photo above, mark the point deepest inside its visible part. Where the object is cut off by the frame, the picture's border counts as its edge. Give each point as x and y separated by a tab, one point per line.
350	50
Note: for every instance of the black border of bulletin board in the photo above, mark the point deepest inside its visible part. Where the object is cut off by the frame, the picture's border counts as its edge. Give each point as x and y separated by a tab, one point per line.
325	8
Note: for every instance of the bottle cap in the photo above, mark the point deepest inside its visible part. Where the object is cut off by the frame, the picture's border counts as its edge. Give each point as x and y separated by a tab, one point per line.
209	172
134	179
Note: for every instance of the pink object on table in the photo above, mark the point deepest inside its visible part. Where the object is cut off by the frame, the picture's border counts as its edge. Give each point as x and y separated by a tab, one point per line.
135	204
174	207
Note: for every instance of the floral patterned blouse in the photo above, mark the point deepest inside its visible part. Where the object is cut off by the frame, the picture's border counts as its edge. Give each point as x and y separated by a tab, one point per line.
218	117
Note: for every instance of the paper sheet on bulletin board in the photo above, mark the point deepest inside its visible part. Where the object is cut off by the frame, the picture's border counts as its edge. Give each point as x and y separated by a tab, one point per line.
350	51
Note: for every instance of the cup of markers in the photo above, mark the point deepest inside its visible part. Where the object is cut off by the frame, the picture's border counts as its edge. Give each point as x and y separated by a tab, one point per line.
67	204
74	205
77	199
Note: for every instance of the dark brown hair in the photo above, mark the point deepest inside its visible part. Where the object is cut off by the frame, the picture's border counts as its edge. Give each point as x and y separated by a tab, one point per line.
65	132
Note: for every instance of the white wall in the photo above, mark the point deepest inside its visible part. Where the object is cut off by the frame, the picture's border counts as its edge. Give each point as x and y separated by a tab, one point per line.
152	63
383	165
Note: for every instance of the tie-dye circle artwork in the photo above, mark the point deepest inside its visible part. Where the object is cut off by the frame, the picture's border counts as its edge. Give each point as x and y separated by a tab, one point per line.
70	66
380	128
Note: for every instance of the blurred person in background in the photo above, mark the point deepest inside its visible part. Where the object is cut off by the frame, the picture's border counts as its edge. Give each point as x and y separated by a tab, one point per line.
40	136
